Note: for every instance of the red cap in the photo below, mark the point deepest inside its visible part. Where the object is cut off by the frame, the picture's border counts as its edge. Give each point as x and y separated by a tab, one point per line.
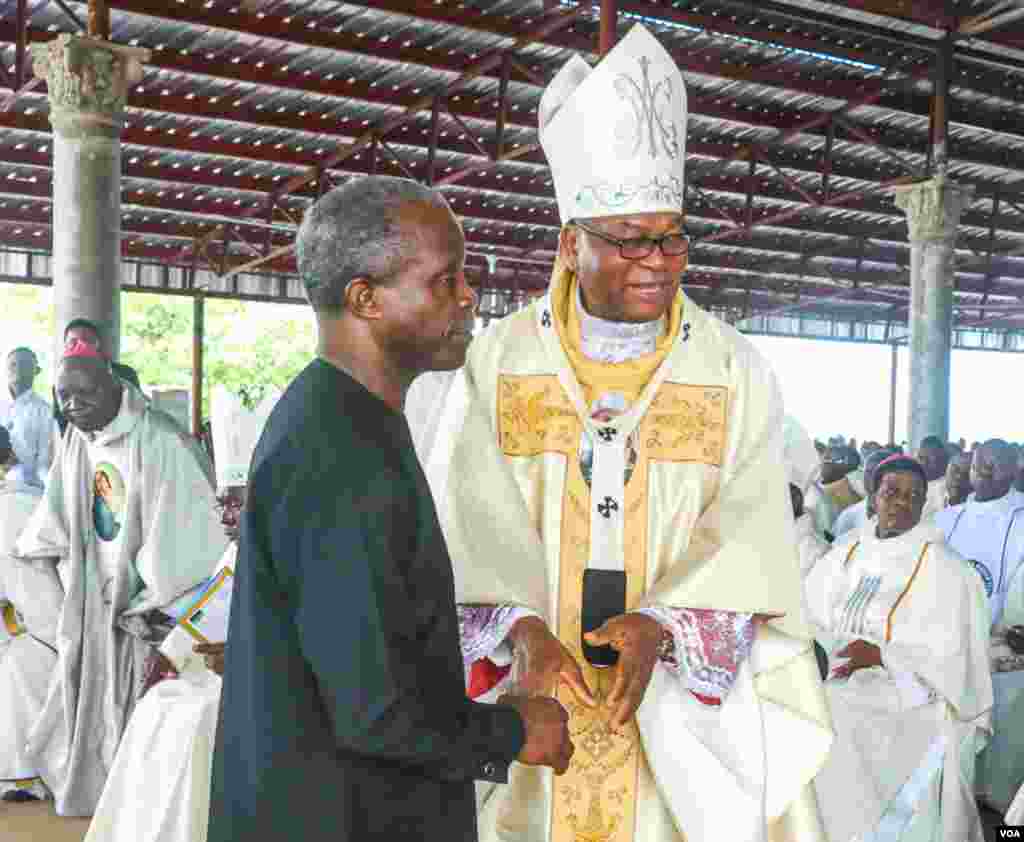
78	348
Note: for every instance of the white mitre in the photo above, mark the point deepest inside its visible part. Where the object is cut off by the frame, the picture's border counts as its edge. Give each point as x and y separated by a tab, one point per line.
236	430
615	135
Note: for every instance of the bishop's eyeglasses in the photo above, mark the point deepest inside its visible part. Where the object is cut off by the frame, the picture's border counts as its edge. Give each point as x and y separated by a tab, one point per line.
675	244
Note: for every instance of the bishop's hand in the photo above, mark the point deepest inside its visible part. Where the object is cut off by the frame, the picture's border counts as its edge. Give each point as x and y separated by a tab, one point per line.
637	639
541	662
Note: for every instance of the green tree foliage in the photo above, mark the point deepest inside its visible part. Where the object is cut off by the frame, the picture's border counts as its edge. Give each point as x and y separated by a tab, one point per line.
249	347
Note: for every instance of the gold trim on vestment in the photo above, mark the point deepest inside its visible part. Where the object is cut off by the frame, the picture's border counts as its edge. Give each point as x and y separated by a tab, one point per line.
899	599
595	801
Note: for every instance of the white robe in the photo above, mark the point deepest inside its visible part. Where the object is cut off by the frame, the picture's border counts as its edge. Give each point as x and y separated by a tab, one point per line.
851	519
31	596
169	540
990	535
809	545
1015	815
936	500
168	744
716	538
927	709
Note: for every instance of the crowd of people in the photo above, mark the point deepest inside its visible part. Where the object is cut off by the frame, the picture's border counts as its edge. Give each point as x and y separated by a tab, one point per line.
543	584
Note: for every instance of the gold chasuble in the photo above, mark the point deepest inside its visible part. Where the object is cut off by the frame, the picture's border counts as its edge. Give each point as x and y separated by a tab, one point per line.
596	800
697	489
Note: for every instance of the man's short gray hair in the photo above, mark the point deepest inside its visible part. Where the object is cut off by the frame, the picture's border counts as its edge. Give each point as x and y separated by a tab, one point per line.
354	232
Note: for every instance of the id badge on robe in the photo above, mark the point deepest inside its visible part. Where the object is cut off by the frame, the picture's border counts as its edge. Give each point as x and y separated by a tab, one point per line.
604	580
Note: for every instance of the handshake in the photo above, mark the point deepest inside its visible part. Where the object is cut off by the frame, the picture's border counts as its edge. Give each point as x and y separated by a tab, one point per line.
541	663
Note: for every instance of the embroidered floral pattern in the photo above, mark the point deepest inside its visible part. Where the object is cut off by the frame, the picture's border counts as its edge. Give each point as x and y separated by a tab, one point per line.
710	646
483	630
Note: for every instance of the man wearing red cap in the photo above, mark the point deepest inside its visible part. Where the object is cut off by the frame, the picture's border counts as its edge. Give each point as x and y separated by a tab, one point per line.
905	624
128	521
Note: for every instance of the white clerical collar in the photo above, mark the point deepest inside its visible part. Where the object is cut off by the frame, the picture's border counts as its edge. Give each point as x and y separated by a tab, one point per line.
925	531
133	404
616	342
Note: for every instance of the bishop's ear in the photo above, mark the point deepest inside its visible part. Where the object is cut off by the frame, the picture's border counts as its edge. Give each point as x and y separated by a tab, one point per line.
361	299
568	245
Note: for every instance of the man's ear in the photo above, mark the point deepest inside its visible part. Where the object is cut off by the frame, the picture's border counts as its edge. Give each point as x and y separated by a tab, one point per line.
568	246
361	299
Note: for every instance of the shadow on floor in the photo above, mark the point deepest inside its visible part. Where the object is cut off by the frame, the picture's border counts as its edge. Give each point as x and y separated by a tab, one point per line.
36	822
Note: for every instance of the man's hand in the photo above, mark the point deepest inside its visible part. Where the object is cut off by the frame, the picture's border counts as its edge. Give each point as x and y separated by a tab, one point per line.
213	655
637	639
541	662
546	724
862	655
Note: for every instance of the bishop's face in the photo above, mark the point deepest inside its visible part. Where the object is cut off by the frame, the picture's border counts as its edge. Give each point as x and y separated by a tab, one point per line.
88	394
614	287
899	502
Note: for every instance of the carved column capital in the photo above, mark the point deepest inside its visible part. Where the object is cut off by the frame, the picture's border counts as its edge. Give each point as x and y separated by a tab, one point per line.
933	208
88	83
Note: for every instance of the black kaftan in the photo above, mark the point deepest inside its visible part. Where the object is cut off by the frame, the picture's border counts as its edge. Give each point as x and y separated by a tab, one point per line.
343	714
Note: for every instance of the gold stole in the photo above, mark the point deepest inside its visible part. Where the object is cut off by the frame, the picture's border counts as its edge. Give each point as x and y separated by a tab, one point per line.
595	801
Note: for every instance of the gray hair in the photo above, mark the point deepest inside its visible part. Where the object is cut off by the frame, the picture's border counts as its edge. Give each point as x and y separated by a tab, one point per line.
354	232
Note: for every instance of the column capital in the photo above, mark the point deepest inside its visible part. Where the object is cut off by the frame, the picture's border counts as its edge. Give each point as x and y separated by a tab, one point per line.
88	81
933	207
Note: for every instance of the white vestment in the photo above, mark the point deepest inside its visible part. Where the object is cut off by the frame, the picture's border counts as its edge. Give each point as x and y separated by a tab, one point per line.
30	598
809	545
851	519
168	744
716	532
926	710
155	501
1015	815
936	500
990	535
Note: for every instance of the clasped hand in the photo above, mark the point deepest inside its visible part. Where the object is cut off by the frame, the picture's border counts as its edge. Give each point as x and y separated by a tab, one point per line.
861	654
542	662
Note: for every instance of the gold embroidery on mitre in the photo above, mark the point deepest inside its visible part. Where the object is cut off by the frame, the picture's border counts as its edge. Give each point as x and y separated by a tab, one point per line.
596	800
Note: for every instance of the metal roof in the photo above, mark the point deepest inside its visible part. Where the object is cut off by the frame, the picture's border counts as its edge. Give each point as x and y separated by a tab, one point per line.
802	114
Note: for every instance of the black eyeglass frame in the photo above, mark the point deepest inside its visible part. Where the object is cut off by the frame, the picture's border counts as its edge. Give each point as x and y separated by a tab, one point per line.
651	242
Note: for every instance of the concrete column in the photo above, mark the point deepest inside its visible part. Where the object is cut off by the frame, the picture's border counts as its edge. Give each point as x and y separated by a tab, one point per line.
933	213
87	80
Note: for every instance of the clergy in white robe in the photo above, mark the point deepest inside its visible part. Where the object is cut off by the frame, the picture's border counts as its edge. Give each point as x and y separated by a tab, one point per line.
127	521
30	598
988	531
904	622
170	738
855	517
958	480
614	429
